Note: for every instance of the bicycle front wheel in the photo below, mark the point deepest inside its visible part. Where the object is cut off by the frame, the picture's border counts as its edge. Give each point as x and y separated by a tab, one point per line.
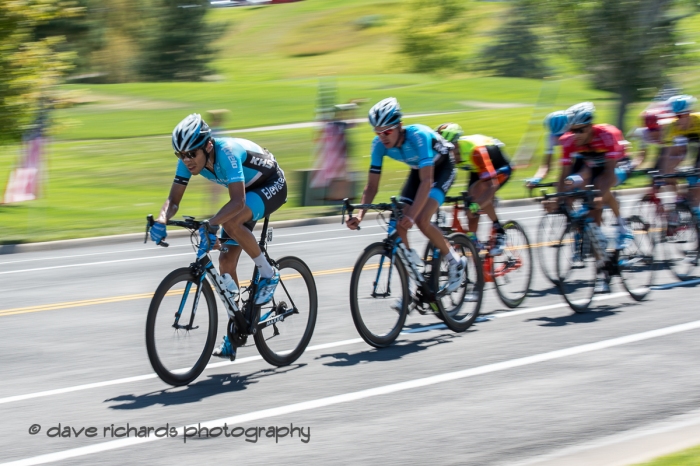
181	327
549	233
379	296
460	308
681	243
512	270
576	267
287	322
636	262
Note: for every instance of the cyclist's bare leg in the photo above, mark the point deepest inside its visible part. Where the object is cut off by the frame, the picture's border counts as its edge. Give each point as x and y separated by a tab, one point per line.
244	237
431	231
482	192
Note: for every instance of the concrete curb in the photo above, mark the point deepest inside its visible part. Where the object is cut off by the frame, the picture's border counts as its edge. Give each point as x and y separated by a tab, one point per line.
138	237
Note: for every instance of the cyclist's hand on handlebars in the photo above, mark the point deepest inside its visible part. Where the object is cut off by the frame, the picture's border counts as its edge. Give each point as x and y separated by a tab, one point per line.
533	182
353	223
158	232
207	239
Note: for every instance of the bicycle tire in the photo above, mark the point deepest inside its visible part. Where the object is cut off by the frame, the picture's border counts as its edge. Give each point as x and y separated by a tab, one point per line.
681	248
361	296
472	285
636	263
576	239
510	258
179	376
288	350
549	233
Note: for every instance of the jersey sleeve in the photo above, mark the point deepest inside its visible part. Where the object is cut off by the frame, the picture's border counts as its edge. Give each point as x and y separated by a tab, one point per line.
377	156
612	142
182	174
552	140
423	142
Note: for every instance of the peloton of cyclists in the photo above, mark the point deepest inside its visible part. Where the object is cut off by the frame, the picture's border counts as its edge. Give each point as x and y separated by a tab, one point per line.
432	173
491	169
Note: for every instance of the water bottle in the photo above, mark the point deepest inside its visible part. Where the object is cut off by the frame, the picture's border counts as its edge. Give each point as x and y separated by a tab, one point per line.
414	258
600	236
228	284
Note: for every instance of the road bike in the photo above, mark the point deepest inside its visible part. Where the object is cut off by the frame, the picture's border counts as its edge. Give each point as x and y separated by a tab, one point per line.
510	271
582	255
180	340
675	224
380	295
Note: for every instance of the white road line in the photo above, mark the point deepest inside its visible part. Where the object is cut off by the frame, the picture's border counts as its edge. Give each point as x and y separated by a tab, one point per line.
138	378
368	393
86	264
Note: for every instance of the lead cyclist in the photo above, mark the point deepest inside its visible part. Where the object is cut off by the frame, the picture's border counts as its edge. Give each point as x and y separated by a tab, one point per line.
256	187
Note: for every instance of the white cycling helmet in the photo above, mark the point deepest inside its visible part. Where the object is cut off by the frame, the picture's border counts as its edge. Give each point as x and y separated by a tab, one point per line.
385	113
581	114
190	134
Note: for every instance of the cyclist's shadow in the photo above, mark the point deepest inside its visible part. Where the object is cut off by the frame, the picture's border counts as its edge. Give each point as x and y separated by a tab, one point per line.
594	314
552	290
391	353
216	384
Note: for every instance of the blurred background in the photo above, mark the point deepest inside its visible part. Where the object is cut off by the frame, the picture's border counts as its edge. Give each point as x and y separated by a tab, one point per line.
91	90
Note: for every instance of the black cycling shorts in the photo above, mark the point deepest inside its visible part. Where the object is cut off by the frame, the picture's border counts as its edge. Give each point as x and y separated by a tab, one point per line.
444	175
262	200
580	164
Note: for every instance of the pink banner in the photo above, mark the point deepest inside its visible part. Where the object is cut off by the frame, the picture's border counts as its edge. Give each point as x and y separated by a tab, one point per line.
23	184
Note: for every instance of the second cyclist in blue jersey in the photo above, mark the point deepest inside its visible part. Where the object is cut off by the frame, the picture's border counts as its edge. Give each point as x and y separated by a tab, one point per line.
432	173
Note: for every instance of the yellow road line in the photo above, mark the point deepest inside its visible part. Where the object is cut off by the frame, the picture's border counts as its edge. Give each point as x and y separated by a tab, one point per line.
131	297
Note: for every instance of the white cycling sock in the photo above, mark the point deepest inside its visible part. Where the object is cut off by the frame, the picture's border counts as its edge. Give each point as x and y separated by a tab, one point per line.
263	266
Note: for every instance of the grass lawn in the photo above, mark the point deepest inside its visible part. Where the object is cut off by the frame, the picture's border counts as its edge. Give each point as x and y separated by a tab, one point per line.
689	457
110	161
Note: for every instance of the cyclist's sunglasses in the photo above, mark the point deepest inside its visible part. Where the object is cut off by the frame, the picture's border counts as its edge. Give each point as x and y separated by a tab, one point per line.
186	155
579	130
386	132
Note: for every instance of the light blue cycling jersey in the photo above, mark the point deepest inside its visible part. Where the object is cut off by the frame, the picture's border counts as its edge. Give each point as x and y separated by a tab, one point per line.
236	160
422	147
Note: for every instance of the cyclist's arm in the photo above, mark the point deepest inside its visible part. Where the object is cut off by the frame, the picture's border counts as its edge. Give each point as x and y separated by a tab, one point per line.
172	204
367	197
543	171
177	190
234	206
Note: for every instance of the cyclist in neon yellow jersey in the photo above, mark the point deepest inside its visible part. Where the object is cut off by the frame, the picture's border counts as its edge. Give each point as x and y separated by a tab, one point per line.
491	169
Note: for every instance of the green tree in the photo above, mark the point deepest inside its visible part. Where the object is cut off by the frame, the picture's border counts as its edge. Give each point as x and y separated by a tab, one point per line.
516	52
179	41
29	68
429	33
627	46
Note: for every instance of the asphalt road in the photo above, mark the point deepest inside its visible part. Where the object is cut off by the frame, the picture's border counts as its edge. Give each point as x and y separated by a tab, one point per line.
513	389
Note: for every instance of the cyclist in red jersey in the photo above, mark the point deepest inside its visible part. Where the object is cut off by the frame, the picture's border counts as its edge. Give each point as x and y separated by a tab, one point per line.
590	155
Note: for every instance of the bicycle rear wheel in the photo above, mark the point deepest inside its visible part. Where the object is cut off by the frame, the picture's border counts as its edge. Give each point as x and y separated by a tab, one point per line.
512	270
379	296
181	327
576	267
551	228
681	244
636	262
460	308
287	322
